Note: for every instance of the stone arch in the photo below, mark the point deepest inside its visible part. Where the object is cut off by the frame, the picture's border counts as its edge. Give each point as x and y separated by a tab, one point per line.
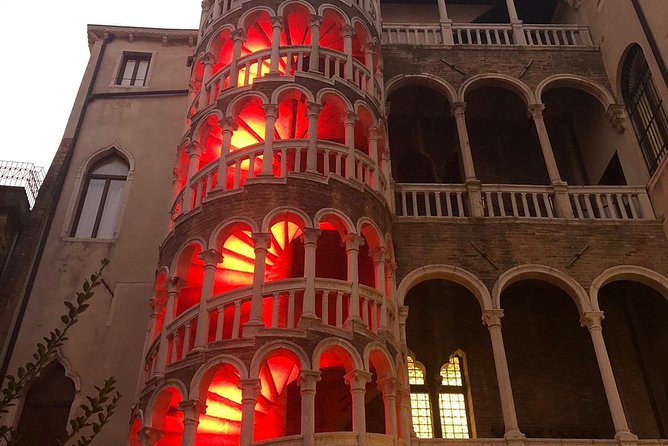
447	272
287	87
325	91
226	225
271	215
207	370
328	343
422	80
241	23
236	104
284	5
214	40
348	225
325	6
204	121
499	80
174	268
633	273
150	406
264	351
103	153
544	273
376	234
579	83
376	346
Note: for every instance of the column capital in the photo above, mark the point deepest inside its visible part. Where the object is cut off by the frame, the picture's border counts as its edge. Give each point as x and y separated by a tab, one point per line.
369	47
270	110
378	254
535	111
192	409
228	124
374	133
250	388
206	4
592	320
308	379
353	241
314	20
277	21
388	386
357	379
313	109
347	31
403	313
194	149
174	284
616	114
239	35
458	108
261	240
208	58
492	317
350	118
310	236
211	257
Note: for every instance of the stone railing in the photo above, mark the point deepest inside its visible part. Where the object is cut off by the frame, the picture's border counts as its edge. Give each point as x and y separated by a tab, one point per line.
613	203
227	313
293	59
289	157
553	35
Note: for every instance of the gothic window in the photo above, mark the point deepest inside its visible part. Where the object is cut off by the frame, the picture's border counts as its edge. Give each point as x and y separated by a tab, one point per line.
101	199
420	405
452	400
645	107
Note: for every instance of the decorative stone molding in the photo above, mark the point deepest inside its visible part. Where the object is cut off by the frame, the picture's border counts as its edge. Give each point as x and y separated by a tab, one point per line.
616	114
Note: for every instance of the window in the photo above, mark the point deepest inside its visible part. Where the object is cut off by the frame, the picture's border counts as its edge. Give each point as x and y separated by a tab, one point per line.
133	70
645	108
449	398
101	199
420	405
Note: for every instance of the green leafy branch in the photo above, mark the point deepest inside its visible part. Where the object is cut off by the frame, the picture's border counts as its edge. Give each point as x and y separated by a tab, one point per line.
13	386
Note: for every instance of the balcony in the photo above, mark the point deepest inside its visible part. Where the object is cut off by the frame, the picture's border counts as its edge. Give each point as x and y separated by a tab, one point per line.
600	203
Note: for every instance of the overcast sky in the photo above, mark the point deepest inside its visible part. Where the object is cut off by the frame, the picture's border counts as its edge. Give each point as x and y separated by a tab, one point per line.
44	51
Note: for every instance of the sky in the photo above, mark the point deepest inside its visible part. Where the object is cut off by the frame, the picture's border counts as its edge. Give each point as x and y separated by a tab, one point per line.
44	49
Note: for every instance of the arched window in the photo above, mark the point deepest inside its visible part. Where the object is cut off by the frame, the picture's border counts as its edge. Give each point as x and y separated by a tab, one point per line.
100	201
645	107
452	400
420	405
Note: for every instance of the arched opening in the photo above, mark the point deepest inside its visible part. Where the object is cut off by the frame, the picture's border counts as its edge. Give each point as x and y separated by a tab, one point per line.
423	137
46	408
636	337
331	118
278	408
504	141
220	424
285	258
295	32
190	268
166	417
237	247
585	145
370	257
333	402
572	402
331	260
375	409
331	30
364	122
645	108
210	138
444	320
223	48
258	38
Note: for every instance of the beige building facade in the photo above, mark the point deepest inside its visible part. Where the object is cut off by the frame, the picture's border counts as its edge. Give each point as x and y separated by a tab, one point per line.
360	223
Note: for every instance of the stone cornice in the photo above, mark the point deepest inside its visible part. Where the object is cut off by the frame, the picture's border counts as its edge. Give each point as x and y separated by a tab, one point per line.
165	35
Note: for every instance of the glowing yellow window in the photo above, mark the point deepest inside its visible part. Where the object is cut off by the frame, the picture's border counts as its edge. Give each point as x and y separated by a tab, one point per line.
420	404
452	401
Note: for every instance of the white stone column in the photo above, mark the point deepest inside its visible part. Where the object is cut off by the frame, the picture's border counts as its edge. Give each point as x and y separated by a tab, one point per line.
562	202
357	380
174	285
516	23
373	153
349	122
239	36
388	387
353	243
271	114
314	60
406	419
276	27
194	151
312	111
211	259
229	126
191	411
369	53
208	60
310	239
592	321
177	182
403	315
249	392
261	242
378	255
308	380
347	32
156	305
492	318
458	109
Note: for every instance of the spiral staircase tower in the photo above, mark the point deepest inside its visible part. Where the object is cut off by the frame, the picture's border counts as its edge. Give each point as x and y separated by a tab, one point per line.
274	317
